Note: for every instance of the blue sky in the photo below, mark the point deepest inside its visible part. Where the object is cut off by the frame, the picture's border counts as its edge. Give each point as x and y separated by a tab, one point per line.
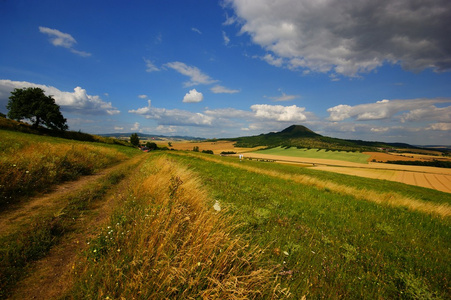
370	70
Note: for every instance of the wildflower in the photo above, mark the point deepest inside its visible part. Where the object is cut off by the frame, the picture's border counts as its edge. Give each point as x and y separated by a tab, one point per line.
217	207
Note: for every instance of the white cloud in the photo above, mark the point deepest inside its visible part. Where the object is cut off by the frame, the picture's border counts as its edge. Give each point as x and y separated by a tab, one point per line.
77	101
440	127
174	117
412	109
193	96
150	67
196	76
279	113
118	128
270	59
136	127
284	97
226	38
196	30
61	39
142	96
219	89
347	36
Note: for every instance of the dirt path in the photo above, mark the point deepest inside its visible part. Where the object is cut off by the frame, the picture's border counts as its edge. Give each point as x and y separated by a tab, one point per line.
13	217
52	275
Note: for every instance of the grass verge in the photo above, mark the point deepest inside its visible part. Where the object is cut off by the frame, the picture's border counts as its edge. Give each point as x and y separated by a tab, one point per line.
167	242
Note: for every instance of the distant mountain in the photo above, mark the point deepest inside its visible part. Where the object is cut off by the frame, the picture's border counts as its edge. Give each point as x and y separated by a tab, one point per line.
302	137
154	136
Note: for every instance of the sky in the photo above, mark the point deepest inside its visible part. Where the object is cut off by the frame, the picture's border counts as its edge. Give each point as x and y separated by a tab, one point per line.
367	70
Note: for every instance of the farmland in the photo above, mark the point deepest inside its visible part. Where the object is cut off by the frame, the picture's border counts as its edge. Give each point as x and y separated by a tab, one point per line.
356	164
181	224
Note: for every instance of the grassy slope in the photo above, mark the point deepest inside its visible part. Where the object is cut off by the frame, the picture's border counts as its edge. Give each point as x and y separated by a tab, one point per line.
318	153
335	245
31	163
318	241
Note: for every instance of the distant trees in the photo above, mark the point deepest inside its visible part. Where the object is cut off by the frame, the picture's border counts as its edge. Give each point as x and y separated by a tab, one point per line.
34	105
134	139
151	146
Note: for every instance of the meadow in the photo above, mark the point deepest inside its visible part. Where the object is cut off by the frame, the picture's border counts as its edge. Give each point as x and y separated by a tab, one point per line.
32	163
350	156
308	241
183	224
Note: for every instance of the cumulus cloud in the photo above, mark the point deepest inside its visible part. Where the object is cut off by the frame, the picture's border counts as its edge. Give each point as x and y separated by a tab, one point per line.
193	96
174	117
77	101
142	96
196	76
411	109
219	89
279	112
135	127
61	39
270	59
347	36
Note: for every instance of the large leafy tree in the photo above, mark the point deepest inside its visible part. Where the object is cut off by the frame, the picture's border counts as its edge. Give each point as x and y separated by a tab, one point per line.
134	139
34	105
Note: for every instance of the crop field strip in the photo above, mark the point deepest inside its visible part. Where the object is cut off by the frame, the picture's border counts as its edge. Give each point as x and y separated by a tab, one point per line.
391	199
412	175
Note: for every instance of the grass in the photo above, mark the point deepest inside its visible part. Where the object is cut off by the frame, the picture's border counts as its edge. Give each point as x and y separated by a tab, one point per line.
330	244
190	225
356	157
167	242
30	163
33	240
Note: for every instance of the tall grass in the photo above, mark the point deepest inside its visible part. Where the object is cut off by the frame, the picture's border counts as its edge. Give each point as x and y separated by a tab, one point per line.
29	164
167	242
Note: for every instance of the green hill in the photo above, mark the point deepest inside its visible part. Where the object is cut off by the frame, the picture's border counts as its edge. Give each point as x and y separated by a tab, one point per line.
302	137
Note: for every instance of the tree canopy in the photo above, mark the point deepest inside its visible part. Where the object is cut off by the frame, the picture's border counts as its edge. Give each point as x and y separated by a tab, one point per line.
34	105
134	139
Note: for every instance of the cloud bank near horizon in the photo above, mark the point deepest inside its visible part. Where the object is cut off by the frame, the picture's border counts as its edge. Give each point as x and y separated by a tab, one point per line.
78	101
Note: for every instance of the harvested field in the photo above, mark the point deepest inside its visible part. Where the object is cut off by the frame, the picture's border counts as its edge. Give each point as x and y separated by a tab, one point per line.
428	177
383	157
217	147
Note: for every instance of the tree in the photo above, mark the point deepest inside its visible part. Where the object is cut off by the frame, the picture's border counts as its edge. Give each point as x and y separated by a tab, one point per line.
134	139
34	105
151	146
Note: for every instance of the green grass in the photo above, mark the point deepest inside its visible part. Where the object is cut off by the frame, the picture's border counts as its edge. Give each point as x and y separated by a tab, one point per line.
31	163
331	245
356	157
33	240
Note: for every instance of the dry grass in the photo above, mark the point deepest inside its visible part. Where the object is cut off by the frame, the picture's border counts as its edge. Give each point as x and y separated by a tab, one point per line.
166	243
37	166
